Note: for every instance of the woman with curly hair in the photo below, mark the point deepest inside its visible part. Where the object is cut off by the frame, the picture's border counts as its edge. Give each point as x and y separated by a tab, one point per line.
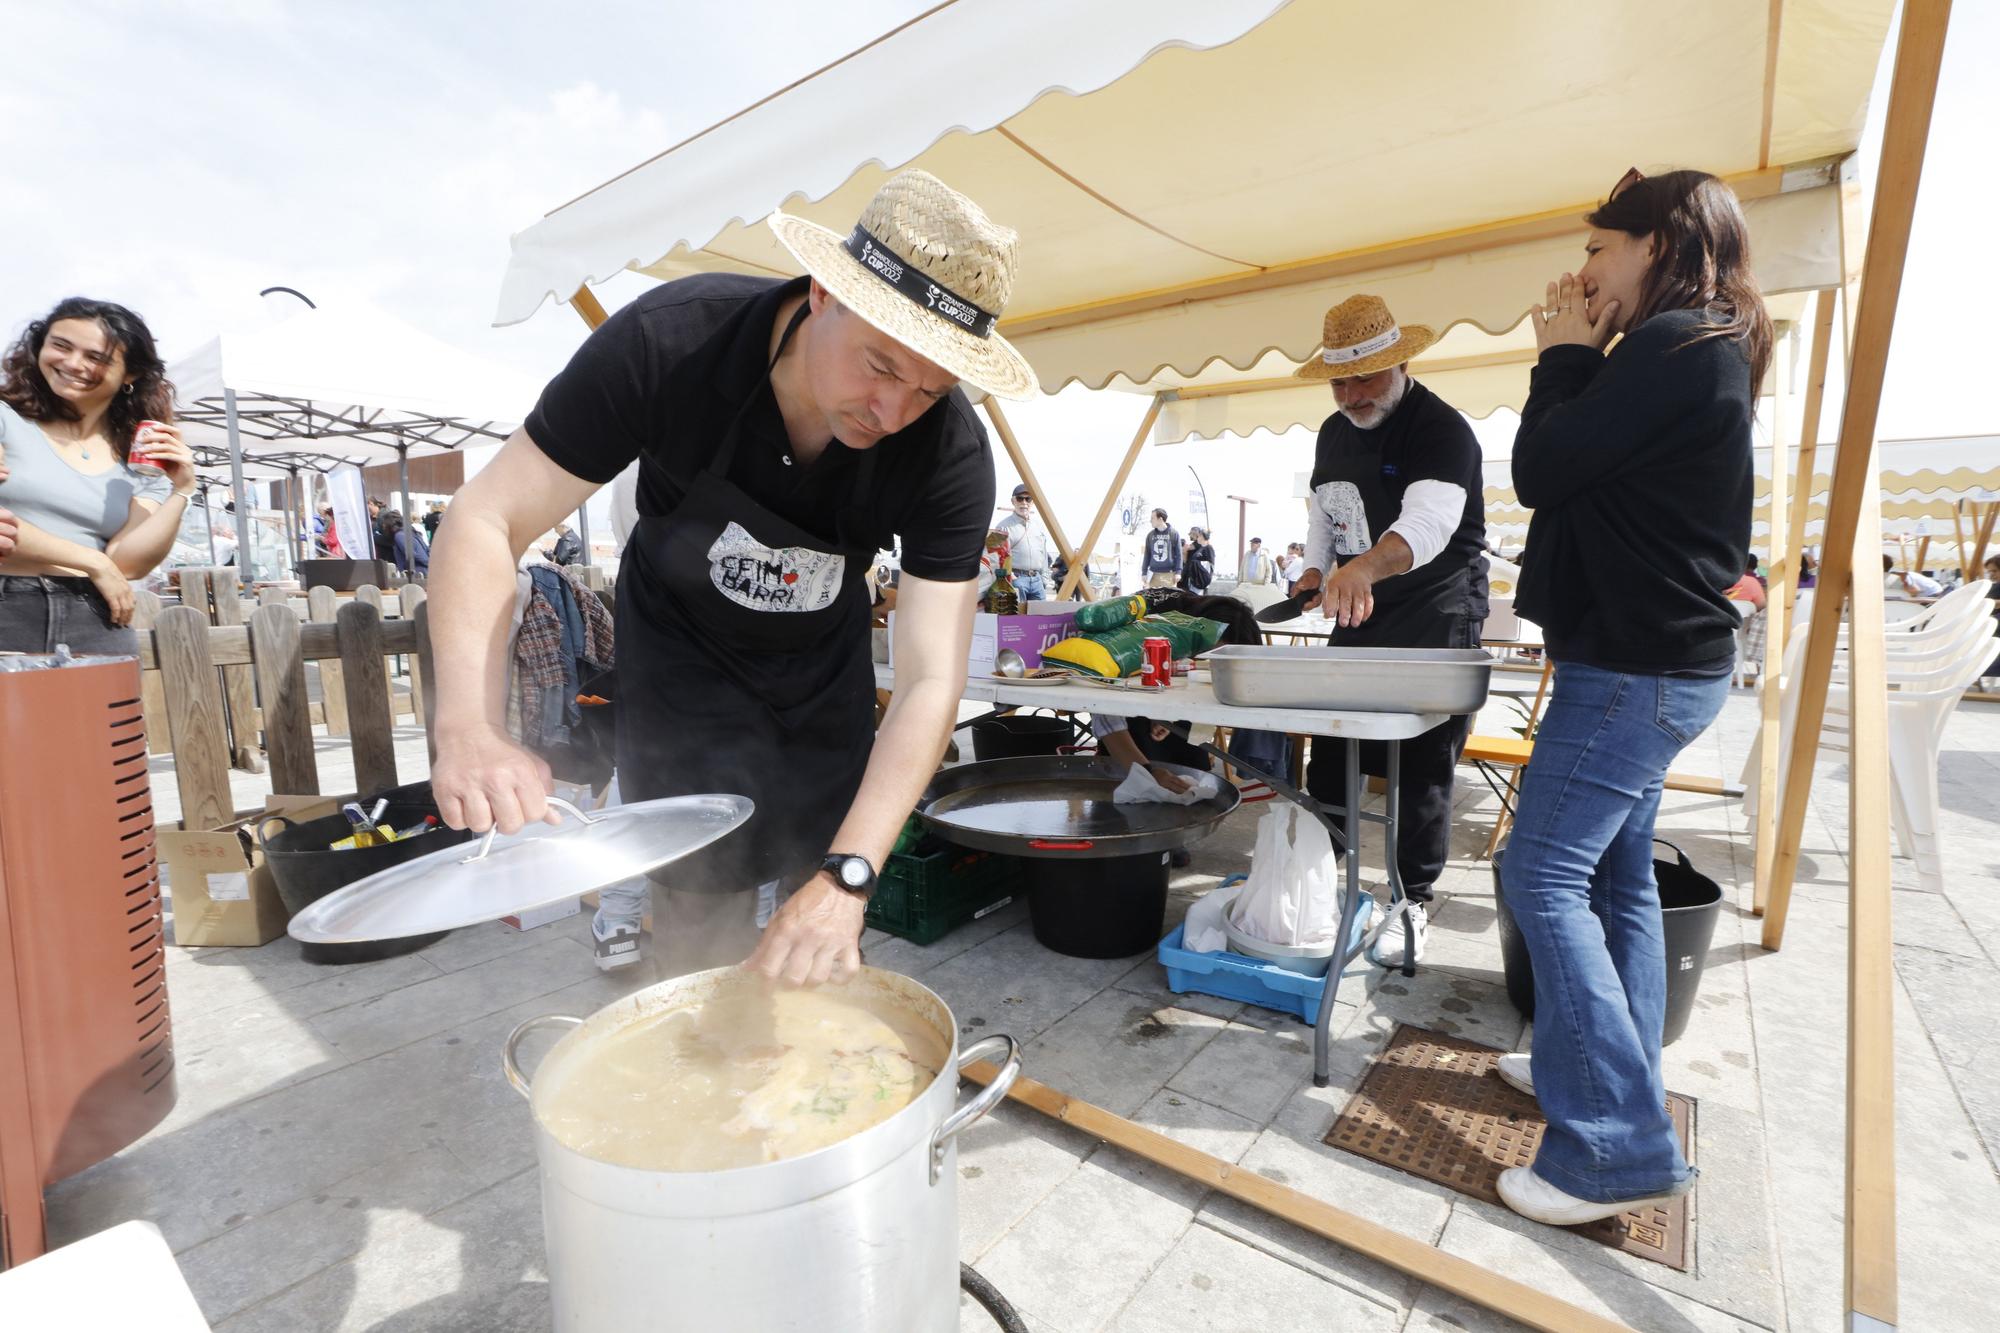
73	390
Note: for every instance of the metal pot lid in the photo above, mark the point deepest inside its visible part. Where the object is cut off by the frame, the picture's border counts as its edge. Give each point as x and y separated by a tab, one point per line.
541	865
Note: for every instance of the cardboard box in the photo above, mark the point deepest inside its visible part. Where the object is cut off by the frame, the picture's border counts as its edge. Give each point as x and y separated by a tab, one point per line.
1045	625
222	892
541	916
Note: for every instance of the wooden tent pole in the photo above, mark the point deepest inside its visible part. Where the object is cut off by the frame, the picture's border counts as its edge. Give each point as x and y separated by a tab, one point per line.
1809	430
1080	566
1439	1268
1853	523
1005	430
1985	534
1777	624
585	303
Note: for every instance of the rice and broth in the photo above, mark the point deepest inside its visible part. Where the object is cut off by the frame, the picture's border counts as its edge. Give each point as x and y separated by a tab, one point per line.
743	1075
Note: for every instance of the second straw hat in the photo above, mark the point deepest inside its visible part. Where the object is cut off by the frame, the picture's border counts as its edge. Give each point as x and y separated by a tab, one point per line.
927	267
1361	337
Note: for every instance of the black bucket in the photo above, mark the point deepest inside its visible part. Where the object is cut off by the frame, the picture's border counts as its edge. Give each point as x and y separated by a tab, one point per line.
1098	907
1019	736
1690	902
306	870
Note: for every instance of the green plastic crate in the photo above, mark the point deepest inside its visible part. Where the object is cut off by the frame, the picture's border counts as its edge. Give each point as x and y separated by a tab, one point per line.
925	898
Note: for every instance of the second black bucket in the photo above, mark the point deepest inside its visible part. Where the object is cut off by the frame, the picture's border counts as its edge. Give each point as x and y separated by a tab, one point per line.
305	870
1019	736
1689	904
1098	907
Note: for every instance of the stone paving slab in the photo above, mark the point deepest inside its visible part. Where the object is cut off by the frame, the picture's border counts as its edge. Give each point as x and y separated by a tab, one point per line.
347	1155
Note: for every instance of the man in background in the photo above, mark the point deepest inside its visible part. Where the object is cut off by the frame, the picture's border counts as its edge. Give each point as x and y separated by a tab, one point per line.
1160	567
1028	545
1258	567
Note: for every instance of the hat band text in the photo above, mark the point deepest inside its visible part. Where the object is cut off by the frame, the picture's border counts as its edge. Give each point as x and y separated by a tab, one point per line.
879	259
1337	356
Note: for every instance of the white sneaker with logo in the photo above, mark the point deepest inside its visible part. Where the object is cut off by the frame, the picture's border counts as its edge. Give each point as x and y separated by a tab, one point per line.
1517	1072
617	943
1387	950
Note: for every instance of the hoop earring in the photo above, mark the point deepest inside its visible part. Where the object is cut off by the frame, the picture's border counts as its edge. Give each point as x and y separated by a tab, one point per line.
126	390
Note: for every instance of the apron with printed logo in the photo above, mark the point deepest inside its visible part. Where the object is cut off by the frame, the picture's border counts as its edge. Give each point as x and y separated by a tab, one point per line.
744	667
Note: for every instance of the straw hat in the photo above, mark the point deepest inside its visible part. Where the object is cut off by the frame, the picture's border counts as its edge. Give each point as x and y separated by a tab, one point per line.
925	266
1363	338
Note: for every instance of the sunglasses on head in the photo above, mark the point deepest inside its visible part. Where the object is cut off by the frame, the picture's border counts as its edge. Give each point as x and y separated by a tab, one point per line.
1631	177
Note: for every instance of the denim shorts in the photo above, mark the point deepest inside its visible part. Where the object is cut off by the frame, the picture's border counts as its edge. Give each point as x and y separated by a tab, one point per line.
37	613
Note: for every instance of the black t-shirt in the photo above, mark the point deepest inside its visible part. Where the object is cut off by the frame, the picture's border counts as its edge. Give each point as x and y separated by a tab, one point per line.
1424	439
661	380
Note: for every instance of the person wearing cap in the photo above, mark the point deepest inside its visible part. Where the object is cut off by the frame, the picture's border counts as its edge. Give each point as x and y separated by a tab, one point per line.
1258	567
785	432
1029	546
1395	554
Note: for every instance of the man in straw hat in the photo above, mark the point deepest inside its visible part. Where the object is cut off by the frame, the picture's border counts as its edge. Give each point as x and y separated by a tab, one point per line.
785	432
1395	548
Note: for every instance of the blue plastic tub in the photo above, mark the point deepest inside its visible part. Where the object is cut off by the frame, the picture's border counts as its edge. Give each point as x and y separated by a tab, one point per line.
1252	980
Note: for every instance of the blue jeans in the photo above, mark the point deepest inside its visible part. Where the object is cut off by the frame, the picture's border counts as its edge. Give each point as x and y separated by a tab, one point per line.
1578	876
1031	587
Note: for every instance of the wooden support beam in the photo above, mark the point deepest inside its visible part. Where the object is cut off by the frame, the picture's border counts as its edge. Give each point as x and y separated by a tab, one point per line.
1460	1277
1809	429
585	303
317	643
1079	568
1783	559
1985	536
1853	532
1005	430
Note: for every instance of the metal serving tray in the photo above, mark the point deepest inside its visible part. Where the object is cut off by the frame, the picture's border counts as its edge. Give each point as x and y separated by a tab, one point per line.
1354	680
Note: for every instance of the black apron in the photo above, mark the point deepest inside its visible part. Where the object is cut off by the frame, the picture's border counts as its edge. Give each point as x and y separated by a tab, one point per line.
744	667
1423	608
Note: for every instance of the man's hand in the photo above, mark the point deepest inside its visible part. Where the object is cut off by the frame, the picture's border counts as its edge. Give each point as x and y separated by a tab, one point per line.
814	938
111	584
1348	597
1309	582
483	777
1169	779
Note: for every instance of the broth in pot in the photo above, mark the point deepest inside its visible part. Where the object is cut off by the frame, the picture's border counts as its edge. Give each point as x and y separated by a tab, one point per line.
747	1075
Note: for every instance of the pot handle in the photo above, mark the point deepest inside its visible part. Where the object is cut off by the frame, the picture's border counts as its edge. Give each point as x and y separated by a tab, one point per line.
510	1064
493	831
989	1048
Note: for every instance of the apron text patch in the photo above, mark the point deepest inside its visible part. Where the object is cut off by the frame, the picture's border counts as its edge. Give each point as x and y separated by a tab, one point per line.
794	578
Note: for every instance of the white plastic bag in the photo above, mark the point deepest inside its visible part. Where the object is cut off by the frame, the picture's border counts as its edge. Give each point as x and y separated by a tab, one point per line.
1203	931
1292	896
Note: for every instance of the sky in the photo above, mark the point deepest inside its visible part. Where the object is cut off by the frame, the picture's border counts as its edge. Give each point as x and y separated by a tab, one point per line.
180	155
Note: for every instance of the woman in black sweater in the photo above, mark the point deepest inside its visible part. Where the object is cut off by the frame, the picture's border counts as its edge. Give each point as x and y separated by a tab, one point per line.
1638	467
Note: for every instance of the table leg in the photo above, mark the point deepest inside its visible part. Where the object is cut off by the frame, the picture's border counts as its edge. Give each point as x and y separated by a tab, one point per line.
1350	908
1392	836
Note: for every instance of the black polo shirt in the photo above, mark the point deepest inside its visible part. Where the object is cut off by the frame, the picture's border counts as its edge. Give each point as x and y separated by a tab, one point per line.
662	379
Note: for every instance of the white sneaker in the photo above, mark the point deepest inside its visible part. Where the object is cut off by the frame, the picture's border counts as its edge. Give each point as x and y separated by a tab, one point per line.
617	946
1532	1197
1387	950
1517	1072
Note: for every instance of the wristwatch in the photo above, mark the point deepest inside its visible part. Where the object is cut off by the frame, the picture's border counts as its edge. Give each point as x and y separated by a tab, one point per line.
852	873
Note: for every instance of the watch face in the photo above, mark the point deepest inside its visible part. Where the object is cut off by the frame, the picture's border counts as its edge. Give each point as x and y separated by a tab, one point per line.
854	872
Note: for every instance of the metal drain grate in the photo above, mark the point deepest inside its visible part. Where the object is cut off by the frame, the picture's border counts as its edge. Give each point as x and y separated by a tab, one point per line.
1433	1106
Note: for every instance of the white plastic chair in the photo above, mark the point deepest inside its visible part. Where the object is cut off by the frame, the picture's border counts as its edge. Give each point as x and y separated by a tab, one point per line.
1925	685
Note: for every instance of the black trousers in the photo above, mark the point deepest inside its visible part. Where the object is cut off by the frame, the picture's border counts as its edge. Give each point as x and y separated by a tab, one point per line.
1429	760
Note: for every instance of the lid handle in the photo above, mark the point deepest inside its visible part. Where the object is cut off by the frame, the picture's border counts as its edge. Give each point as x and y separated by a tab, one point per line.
487	845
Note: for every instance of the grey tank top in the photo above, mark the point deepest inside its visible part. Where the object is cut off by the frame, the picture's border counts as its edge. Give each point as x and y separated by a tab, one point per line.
44	490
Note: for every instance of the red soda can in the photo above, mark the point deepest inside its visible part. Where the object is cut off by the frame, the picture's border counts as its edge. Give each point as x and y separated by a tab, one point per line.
1158	670
137	458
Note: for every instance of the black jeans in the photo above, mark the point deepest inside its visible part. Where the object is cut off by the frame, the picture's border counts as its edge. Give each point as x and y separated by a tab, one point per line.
37	613
1423	841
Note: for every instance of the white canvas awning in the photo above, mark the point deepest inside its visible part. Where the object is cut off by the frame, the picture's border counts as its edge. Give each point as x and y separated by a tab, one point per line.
1200	179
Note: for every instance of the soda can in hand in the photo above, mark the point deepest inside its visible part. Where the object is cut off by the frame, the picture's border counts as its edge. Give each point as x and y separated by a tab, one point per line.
137	458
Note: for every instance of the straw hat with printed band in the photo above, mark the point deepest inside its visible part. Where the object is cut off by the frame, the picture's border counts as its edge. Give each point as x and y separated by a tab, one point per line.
1363	338
927	267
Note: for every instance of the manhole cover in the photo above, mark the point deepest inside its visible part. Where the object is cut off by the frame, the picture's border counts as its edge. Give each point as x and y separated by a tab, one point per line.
1433	1106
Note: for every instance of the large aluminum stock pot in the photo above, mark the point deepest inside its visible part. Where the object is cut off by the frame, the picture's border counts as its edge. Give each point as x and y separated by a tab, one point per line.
861	1235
